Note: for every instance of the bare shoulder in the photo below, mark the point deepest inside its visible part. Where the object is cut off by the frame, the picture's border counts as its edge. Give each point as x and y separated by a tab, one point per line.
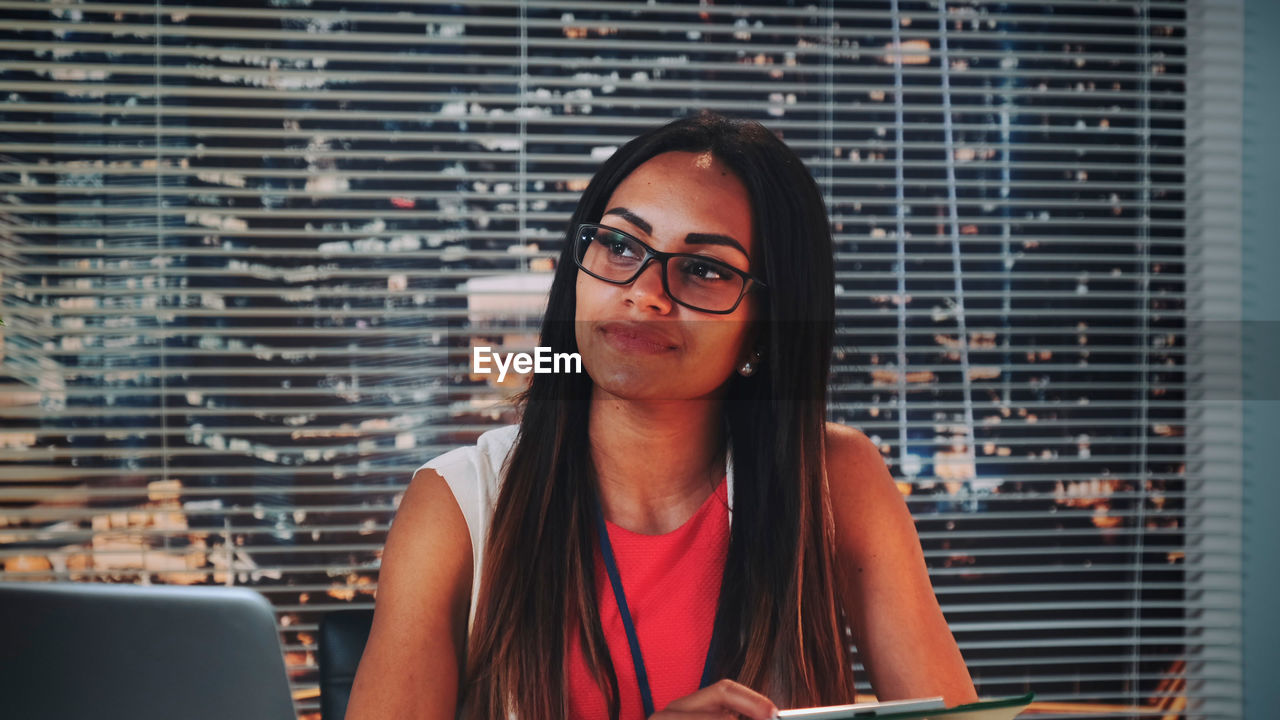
842	440
428	550
898	627
871	516
414	658
428	518
855	468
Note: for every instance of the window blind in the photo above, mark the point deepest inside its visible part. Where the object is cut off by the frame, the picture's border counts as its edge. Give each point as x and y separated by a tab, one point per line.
246	251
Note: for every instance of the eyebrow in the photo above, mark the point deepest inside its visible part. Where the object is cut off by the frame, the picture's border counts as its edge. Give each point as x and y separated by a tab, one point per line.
691	238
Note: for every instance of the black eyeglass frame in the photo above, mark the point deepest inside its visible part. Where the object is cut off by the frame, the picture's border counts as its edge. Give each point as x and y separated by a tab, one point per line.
749	282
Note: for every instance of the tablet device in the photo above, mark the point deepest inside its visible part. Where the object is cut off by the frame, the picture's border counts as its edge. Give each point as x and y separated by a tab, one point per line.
1006	708
864	710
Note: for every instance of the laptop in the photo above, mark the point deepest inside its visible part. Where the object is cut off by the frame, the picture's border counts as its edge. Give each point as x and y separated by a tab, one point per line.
92	650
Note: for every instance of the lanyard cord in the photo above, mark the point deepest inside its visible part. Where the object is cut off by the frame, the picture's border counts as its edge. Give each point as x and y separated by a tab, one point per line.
615	579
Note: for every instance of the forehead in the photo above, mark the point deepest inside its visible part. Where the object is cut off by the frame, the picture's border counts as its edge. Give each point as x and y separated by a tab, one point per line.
685	192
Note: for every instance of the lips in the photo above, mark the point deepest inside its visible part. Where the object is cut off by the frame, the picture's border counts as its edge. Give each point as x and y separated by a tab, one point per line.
638	337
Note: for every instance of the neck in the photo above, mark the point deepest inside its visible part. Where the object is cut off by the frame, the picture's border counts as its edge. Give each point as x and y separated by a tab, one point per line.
656	461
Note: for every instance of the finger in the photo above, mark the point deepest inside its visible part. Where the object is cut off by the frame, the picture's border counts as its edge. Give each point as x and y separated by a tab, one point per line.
727	695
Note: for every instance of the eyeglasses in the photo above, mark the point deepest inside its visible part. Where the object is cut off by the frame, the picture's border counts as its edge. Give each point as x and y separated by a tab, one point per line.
698	283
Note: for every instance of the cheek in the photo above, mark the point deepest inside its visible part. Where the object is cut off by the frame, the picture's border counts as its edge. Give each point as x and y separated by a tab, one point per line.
588	300
590	306
716	347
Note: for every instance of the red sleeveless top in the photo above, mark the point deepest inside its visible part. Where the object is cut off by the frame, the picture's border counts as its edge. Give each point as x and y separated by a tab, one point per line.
672	583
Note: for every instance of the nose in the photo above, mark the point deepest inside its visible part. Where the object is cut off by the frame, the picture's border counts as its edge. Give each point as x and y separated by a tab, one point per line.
647	291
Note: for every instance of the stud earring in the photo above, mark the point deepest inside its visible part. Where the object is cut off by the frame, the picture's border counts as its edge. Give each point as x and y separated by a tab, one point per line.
749	367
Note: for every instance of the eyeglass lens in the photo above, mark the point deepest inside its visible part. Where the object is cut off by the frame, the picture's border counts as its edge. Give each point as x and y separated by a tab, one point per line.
696	281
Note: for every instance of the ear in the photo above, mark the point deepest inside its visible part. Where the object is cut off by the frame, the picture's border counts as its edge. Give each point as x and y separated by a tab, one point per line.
753	347
759	340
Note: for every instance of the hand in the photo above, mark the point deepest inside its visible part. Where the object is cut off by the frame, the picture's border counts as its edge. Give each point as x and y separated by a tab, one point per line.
723	700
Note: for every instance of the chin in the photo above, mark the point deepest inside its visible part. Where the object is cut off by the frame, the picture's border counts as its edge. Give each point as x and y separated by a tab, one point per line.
630	383
641	384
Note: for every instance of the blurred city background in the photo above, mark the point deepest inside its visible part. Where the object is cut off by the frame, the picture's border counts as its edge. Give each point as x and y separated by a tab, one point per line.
247	246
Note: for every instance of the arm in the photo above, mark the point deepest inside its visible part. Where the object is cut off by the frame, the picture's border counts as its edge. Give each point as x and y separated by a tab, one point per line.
902	637
411	665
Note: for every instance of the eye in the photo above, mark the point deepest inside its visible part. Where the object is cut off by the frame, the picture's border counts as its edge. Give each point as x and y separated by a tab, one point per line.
620	248
704	270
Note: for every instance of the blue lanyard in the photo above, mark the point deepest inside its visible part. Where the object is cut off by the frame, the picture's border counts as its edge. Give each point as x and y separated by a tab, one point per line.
642	678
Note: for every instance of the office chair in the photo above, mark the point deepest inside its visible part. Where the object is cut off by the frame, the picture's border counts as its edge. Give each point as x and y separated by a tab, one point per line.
343	634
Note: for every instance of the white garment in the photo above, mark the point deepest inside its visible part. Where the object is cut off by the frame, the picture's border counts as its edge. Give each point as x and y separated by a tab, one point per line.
475	474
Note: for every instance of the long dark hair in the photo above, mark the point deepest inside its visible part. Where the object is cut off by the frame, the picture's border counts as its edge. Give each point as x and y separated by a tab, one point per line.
779	614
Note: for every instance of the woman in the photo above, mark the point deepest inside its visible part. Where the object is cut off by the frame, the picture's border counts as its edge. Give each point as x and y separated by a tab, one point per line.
675	532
